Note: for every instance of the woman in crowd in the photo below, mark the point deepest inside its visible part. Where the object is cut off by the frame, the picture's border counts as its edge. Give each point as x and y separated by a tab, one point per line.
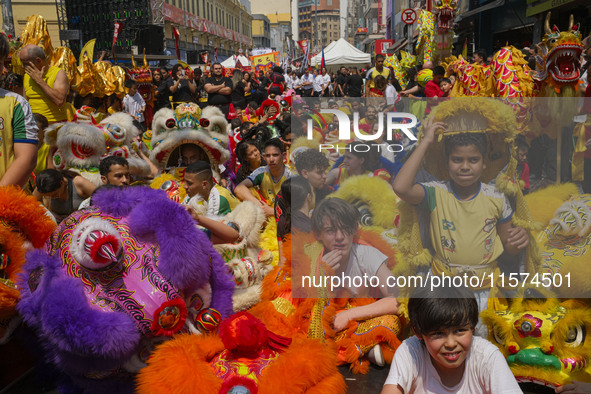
354	163
181	86
247	81
239	88
66	189
161	88
250	159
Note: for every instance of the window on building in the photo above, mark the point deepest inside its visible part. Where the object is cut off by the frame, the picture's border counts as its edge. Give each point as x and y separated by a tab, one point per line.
329	3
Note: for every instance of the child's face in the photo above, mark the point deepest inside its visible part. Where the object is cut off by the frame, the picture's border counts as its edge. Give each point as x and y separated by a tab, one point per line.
445	86
465	165
133	90
522	155
448	348
316	177
334	238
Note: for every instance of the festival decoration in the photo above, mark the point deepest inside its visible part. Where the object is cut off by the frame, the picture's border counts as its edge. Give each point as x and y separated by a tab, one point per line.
136	279
401	67
472	79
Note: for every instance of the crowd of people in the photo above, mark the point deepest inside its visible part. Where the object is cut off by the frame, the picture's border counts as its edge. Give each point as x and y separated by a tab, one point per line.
443	356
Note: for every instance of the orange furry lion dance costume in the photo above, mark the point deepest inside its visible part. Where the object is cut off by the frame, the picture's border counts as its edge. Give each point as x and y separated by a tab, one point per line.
22	220
245	358
313	317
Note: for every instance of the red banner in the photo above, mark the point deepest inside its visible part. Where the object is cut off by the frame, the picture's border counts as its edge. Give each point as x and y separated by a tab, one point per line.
173	14
304	45
116	31
175	33
183	18
381	46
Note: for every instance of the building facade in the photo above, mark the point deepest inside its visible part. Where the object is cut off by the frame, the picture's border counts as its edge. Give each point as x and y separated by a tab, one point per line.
222	26
261	31
21	9
319	21
280	33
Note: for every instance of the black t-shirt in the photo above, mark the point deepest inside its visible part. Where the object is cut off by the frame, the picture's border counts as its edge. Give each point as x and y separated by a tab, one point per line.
354	85
183	92
162	96
216	98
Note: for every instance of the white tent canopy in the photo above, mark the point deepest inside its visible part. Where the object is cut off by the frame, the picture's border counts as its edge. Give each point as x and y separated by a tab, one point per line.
341	53
231	61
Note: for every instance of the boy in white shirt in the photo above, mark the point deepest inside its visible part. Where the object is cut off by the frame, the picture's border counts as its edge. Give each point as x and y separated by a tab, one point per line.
445	356
133	103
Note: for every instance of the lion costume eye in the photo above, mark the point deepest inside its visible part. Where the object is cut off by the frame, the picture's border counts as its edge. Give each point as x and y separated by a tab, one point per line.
498	335
575	336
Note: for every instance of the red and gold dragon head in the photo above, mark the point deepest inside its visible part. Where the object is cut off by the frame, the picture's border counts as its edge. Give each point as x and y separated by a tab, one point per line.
558	63
143	77
445	11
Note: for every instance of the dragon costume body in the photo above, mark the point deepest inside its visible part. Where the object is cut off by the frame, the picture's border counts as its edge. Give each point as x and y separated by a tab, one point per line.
436	31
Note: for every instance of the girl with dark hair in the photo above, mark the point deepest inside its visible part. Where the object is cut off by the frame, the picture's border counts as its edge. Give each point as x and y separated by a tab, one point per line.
292	206
358	161
181	86
247	81
250	159
66	189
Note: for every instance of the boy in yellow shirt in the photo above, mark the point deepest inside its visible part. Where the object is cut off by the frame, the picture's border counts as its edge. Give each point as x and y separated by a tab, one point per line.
470	222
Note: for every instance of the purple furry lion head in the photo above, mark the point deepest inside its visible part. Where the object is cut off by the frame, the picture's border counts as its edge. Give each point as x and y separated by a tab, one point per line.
119	277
